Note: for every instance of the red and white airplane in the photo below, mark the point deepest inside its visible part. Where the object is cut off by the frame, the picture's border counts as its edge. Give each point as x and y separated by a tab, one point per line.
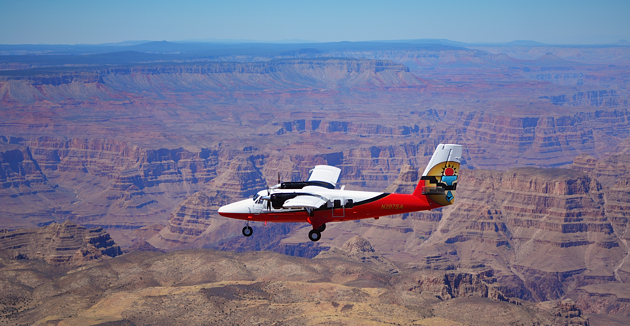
317	202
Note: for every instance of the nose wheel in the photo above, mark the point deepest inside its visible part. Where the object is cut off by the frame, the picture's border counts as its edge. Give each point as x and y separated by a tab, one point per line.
247	231
314	235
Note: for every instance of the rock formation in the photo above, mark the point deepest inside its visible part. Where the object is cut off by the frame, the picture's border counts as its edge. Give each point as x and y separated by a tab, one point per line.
192	218
545	225
612	173
477	282
207	286
543	232
59	244
164	144
197	216
359	250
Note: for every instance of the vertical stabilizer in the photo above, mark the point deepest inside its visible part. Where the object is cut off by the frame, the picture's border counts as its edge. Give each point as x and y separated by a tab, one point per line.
439	179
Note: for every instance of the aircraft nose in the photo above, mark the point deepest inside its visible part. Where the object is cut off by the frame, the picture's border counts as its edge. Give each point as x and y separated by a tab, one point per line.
240	207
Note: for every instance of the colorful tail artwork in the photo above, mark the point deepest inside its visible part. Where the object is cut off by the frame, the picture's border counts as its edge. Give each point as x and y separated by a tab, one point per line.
439	179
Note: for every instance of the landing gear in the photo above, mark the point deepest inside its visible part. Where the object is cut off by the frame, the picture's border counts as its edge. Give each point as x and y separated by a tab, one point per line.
247	231
314	235
322	228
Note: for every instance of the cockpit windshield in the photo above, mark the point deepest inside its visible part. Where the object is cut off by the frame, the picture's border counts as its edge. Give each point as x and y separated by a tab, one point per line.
256	197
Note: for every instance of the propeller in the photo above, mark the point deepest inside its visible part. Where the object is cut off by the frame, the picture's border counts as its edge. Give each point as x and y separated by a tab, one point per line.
268	198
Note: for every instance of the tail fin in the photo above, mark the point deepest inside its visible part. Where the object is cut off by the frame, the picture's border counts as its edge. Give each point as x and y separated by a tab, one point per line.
439	179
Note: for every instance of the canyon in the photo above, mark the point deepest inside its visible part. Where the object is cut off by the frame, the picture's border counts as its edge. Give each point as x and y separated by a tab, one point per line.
147	150
208	286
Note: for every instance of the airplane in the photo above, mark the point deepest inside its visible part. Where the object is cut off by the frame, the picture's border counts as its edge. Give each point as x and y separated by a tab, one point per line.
317	202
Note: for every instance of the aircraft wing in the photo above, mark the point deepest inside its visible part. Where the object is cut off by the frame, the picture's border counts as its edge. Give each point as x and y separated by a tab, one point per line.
304	201
325	173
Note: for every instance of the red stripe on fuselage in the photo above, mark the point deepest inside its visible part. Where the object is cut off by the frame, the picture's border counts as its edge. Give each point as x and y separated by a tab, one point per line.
389	205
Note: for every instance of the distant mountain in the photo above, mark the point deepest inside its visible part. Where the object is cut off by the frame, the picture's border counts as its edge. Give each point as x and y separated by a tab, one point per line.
524	43
238	41
126	43
213	48
549	59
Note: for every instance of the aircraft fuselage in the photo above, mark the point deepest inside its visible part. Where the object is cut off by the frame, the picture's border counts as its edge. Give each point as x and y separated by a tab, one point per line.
351	205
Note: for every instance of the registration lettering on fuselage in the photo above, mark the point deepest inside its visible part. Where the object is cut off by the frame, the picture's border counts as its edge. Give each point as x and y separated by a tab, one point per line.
392	206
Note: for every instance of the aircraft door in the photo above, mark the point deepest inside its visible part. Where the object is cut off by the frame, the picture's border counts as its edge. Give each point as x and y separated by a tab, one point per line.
338	207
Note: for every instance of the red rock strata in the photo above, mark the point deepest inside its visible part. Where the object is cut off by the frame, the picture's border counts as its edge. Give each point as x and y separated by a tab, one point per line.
544	232
59	244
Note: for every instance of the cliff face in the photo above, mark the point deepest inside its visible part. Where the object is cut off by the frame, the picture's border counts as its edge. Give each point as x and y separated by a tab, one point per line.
207	286
544	232
59	244
492	140
113	83
18	169
150	151
369	110
526	217
103	182
612	172
610	298
610	169
25	190
197	216
126	164
360	250
549	227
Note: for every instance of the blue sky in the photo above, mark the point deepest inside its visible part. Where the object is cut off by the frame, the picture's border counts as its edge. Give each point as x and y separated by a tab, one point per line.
92	22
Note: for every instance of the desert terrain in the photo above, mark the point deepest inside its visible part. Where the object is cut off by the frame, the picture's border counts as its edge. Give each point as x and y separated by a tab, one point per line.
113	166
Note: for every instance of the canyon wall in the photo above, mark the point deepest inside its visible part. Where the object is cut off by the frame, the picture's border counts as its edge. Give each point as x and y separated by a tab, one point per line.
59	244
149	152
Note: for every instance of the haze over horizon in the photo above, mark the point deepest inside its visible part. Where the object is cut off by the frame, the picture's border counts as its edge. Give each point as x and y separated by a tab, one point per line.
77	22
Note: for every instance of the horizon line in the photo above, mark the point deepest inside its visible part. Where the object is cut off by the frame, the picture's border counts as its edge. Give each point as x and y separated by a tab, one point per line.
622	42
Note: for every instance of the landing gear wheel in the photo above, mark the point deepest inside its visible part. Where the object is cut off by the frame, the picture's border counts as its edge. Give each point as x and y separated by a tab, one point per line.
247	231
322	228
314	235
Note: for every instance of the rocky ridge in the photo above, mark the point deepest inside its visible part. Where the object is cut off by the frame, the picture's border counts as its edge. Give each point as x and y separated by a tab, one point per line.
201	286
59	244
545	233
559	211
131	169
360	250
543	224
108	84
123	147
